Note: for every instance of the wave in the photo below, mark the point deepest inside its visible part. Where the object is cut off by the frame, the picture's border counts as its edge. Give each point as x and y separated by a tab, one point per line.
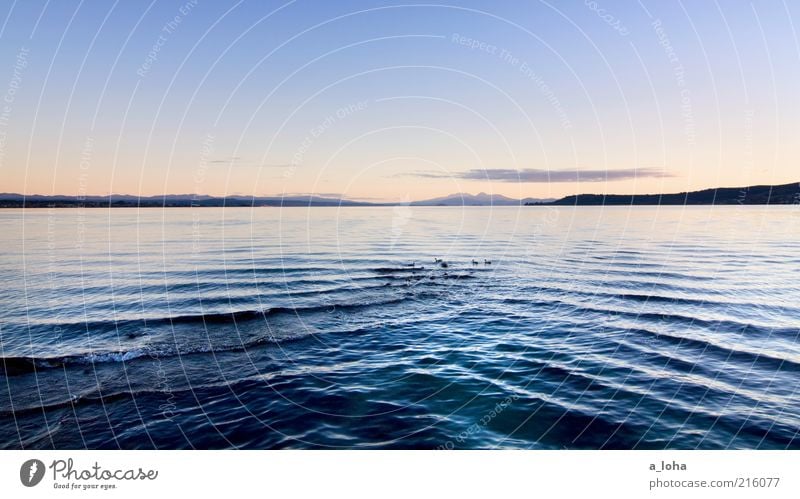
18	365
699	301
665	318
216	317
95	396
734	355
77	400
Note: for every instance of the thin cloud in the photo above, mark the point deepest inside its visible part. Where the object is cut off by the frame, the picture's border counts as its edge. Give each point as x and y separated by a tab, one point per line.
232	159
238	161
534	175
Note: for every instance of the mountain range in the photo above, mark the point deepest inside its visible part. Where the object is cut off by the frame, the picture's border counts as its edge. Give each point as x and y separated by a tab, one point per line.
480	199
751	195
10	200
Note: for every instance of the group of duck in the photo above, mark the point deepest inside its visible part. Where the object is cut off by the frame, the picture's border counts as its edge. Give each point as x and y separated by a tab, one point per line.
443	264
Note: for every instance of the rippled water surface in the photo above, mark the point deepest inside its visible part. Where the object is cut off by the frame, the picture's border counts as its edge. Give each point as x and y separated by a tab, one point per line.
312	328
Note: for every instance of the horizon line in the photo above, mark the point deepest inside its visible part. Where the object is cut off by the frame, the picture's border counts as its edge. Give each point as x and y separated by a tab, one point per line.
360	200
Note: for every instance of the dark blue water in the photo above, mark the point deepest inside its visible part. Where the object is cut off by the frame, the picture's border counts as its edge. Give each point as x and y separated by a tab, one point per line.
307	328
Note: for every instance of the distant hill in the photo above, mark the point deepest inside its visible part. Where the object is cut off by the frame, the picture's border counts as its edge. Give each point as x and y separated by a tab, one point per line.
753	195
480	199
8	200
757	194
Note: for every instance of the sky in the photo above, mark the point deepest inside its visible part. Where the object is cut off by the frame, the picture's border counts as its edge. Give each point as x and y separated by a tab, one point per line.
397	100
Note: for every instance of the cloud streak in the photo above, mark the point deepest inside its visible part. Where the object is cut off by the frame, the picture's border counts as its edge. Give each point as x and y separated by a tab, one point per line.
534	175
238	161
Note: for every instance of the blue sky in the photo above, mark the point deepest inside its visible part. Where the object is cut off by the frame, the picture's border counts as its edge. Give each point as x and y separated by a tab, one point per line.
397	100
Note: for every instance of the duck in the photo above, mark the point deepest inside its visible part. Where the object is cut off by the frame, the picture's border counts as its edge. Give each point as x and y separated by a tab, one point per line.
474	262
487	262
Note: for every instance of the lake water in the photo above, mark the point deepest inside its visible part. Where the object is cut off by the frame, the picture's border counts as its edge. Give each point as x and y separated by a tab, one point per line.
593	328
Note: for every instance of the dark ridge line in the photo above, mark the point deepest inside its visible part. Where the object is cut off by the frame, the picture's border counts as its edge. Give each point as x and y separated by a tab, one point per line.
784	194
